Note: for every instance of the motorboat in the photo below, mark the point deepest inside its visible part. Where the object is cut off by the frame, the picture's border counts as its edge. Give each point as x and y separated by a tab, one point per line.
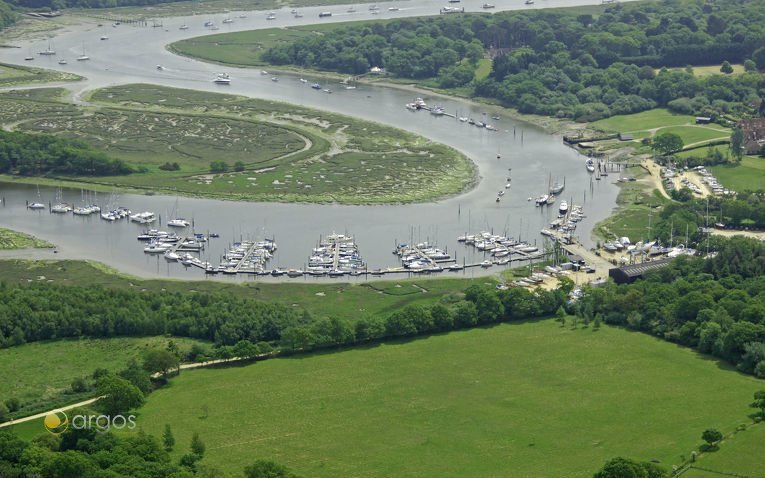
316	86
143	217
393	9
222	79
62	62
171	256
563	208
542	200
36	205
183	27
271	16
558	187
209	23
274	79
104	37
61	208
178	222
228	20
590	165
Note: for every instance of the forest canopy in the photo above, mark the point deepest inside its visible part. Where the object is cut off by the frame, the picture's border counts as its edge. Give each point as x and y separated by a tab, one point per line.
562	63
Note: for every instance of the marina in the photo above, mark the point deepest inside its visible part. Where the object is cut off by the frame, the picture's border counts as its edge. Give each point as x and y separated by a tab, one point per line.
530	152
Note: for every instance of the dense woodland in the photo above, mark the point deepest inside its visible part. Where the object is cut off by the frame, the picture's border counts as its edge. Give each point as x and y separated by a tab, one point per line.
36	154
561	63
60	4
716	306
93	454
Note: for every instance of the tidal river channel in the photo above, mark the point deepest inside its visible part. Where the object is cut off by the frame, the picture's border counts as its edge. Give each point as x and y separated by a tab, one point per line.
525	153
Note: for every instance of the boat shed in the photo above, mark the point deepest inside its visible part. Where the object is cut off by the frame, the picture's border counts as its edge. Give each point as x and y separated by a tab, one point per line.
631	273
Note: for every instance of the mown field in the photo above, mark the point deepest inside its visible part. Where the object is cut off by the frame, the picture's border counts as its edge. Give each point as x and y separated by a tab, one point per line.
742	455
18	240
749	175
529	399
348	301
41	371
285	152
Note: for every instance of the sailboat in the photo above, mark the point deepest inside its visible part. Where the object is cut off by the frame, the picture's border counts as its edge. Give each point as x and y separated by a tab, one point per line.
60	207
83	57
177	221
49	51
37	204
557	187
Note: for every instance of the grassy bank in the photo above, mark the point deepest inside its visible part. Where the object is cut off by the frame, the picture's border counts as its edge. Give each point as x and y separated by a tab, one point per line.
348	301
484	402
18	240
12	75
636	202
272	151
739	455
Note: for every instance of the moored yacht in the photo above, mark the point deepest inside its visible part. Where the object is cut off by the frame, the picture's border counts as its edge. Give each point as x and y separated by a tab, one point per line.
222	79
563	208
143	217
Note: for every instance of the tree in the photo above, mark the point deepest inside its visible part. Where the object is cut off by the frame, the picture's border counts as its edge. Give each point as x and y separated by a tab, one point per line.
80	385
625	468
3	412
197	445
667	143
13	404
726	68
267	469
711	436
168	440
119	395
759	401
239	166
758	57
162	361
136	375
218	167
737	143
750	66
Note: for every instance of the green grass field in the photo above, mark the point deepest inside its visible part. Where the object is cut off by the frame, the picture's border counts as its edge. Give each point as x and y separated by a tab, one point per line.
697	134
747	176
349	301
708	70
530	399
655	118
741	454
44	370
18	240
703	152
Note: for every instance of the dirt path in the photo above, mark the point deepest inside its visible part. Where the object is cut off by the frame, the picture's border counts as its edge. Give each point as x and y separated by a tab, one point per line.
43	414
654	177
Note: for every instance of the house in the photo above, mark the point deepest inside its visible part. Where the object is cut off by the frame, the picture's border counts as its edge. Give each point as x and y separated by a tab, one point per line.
703	120
754	134
626	137
376	70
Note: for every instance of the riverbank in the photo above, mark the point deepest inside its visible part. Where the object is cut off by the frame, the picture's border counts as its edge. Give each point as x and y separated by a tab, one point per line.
13	241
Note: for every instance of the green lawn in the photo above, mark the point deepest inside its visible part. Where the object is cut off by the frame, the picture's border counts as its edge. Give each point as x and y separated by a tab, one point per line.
484	68
42	371
348	301
708	70
697	134
655	118
703	152
530	399
747	176
742	454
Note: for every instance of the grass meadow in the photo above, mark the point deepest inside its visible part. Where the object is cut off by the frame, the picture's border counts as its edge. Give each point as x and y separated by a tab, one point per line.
740	454
526	399
44	370
749	175
18	240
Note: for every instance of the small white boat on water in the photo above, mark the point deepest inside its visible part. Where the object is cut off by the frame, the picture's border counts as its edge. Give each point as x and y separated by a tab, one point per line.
143	217
62	62
178	222
563	208
183	27
271	16
36	205
222	79
590	165
171	256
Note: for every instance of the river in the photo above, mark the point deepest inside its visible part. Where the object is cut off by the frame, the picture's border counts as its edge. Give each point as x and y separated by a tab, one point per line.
131	54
